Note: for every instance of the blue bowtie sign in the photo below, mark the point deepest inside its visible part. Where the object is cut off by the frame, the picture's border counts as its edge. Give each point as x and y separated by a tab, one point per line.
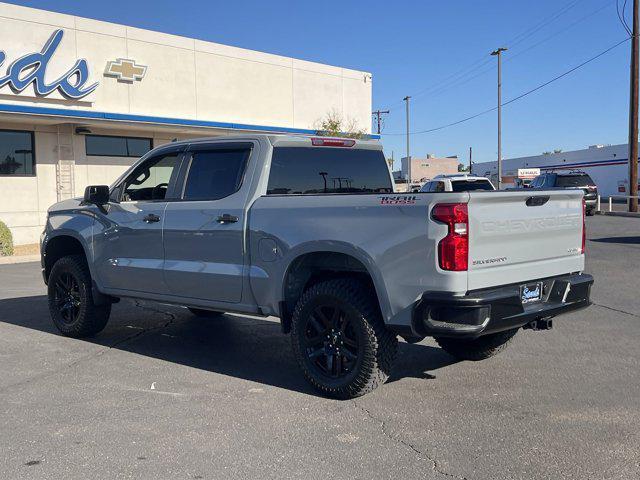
31	69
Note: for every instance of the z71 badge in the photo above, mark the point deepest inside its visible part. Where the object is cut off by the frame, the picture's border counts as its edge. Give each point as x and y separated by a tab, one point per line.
398	200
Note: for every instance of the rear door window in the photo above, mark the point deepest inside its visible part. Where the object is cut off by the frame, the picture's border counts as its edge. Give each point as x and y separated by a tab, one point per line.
309	171
215	174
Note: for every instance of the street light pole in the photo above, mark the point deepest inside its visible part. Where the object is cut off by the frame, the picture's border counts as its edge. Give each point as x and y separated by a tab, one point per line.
406	99
633	116
498	53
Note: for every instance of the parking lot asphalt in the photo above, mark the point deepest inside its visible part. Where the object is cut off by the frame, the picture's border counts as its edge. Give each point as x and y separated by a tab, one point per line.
163	394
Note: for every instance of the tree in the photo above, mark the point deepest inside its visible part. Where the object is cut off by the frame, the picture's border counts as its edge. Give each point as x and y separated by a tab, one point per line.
334	125
462	167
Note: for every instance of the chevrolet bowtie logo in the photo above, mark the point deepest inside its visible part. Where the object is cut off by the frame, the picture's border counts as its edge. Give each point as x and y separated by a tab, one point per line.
125	70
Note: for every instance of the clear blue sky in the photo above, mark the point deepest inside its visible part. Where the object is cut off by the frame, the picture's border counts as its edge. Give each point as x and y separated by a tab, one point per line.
410	46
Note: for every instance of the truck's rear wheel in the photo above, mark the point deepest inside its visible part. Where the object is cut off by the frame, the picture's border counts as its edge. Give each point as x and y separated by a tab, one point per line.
340	340
71	301
199	312
478	348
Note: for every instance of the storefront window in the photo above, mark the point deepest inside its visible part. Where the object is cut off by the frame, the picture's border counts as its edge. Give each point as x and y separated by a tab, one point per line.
107	146
16	153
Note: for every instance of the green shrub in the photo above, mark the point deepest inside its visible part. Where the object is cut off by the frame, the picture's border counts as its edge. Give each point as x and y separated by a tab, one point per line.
6	241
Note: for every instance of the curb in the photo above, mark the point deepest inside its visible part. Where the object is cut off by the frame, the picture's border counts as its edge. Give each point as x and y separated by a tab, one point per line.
19	259
620	214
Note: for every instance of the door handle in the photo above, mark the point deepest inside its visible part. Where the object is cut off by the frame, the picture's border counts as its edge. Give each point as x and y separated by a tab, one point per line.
226	218
151	218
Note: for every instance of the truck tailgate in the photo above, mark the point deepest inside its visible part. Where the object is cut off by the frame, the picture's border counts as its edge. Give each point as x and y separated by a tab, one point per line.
518	236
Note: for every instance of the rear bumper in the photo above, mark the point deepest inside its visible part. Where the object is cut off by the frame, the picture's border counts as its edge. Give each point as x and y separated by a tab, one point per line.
481	312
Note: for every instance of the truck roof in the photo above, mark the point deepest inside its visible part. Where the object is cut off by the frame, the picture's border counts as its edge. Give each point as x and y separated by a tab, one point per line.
290	140
459	176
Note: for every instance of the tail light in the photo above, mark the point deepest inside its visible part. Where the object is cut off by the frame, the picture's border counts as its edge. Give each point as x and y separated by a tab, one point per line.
584	226
453	250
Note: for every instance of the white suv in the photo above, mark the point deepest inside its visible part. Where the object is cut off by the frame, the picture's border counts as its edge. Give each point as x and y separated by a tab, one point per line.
457	183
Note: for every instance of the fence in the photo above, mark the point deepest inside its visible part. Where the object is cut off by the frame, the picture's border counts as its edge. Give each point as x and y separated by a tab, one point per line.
611	197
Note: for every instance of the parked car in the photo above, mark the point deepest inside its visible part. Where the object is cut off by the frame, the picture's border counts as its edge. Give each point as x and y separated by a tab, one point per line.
308	229
457	183
571	180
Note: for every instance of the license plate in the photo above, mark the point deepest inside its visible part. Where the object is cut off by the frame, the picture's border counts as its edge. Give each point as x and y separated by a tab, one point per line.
531	292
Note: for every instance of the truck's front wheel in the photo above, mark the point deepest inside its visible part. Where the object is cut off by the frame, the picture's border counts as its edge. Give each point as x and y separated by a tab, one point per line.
71	301
477	348
340	340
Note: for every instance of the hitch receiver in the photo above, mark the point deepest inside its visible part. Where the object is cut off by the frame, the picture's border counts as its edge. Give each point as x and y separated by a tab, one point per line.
539	324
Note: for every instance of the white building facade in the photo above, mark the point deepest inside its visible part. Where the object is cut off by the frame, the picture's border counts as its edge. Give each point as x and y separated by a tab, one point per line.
81	100
606	164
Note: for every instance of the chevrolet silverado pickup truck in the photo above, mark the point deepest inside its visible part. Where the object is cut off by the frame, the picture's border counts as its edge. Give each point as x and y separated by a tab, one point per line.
309	229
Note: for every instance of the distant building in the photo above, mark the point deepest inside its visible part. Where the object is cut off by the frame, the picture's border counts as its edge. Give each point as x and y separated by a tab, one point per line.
423	169
606	164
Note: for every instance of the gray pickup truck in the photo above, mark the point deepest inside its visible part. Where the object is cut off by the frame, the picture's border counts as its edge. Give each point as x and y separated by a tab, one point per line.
309	229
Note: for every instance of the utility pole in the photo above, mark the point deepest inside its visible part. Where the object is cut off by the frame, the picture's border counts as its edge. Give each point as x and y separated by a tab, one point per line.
633	115
498	53
406	99
378	114
470	162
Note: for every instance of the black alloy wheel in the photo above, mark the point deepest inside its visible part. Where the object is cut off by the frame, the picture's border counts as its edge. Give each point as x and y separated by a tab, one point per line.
331	341
70	296
67	297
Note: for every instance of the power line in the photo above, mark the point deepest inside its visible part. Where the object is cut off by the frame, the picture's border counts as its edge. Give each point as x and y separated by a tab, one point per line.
510	58
622	18
528	92
445	83
532	31
558	32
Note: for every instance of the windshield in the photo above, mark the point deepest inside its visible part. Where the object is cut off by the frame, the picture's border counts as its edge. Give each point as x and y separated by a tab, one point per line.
577	180
470	185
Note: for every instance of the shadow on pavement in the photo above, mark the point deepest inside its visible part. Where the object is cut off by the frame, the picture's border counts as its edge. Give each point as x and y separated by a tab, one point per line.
235	345
621	240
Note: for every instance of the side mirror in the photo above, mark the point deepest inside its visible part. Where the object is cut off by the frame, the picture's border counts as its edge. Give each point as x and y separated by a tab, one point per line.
97	195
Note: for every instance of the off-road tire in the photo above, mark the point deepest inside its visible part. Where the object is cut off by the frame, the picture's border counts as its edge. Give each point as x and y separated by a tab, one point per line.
90	318
479	348
199	312
377	347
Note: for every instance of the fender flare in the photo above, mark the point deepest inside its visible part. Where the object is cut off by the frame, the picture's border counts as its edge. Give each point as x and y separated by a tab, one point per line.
344	248
98	297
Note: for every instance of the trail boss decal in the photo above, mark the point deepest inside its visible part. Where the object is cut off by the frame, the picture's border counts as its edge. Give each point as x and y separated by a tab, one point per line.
398	200
32	68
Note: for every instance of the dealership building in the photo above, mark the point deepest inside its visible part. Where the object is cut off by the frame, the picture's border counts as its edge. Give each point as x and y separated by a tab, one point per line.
81	100
607	165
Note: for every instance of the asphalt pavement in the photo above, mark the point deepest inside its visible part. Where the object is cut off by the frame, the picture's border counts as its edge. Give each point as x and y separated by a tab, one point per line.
160	394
